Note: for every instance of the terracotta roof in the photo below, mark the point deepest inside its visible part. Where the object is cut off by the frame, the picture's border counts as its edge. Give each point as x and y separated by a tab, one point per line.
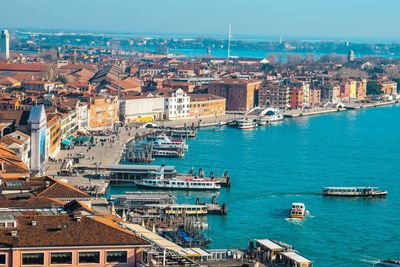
33	202
58	189
65	231
37	67
12	164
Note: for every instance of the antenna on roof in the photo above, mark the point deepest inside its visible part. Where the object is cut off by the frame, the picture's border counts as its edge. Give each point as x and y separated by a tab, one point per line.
229	41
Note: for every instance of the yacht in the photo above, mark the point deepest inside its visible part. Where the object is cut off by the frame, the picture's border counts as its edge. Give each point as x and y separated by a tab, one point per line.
298	211
245	123
177	184
354	192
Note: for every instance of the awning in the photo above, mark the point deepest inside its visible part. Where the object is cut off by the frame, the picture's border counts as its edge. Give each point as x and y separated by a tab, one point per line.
66	142
269	244
295	257
81	139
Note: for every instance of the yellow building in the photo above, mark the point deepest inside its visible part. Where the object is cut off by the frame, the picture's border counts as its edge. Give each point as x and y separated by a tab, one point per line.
54	135
353	89
206	105
103	112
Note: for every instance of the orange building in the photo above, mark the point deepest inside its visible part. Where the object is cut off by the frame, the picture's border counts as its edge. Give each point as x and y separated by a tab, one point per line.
296	98
54	135
240	95
206	105
103	112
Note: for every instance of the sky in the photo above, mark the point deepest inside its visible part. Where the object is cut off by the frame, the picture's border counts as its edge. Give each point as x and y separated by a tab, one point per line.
330	19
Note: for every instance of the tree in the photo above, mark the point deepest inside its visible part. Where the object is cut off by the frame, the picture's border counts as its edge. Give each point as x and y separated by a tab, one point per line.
374	88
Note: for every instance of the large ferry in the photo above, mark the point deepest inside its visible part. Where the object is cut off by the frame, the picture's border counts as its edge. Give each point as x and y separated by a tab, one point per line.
163	142
245	123
298	211
177	184
354	192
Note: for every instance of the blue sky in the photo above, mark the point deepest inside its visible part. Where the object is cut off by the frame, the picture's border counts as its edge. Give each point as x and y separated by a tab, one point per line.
296	18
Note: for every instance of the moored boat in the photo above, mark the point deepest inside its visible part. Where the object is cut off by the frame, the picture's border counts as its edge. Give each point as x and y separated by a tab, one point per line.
298	211
175	184
354	192
245	123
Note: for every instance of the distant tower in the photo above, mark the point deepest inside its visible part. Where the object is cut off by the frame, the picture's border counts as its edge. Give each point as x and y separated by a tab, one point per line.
280	40
351	57
4	45
229	41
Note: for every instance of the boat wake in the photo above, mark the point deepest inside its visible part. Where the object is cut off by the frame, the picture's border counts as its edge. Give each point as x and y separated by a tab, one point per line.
293	195
295	221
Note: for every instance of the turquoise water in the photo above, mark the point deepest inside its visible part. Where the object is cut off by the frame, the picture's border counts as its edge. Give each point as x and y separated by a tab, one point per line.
291	161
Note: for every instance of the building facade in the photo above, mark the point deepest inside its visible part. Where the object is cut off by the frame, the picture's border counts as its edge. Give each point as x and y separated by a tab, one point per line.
206	105
177	105
141	108
240	95
103	111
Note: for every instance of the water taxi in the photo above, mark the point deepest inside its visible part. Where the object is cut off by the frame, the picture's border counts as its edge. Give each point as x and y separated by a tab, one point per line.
175	184
298	211
390	263
354	192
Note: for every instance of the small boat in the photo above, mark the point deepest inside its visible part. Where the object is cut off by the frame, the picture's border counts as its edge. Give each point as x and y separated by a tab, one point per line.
298	211
354	192
245	123
177	184
390	263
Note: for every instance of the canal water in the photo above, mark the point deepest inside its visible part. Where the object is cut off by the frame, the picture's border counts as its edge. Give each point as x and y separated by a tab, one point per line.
291	161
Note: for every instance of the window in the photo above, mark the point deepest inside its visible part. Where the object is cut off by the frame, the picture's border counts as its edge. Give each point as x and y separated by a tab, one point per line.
117	256
2	258
33	259
61	258
89	257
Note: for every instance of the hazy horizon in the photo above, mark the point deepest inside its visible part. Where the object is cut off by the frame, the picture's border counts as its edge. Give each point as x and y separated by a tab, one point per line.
265	19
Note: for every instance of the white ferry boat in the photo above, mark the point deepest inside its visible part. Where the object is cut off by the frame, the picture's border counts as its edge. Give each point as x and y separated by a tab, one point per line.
298	211
271	114
175	184
245	123
262	121
354	192
168	153
164	142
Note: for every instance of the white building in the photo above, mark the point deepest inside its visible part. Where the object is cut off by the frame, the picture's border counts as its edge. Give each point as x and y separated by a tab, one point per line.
141	108
83	115
4	45
177	105
38	121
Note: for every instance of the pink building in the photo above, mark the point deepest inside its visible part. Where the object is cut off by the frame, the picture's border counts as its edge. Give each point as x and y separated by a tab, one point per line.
67	240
